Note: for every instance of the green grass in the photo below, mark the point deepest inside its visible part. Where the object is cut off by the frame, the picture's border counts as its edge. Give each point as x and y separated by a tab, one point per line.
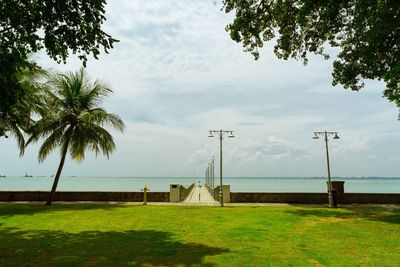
119	235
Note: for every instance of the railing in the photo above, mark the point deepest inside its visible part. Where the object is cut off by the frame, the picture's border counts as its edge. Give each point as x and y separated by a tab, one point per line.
215	193
184	192
209	178
212	192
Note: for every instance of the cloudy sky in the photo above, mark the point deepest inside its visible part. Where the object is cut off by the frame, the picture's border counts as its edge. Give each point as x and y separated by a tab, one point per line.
176	74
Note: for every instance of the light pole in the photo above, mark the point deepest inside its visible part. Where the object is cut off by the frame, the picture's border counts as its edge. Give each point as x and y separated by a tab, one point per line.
212	173
205	176
208	174
325	134
221	134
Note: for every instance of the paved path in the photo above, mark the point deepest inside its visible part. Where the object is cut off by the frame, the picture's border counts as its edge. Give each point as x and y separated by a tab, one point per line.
200	194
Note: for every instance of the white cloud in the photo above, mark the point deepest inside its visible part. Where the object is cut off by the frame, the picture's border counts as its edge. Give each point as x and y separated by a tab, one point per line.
176	74
271	149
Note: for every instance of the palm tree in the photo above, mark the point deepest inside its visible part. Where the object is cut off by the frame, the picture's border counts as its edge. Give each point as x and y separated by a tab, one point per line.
10	128
20	93
73	120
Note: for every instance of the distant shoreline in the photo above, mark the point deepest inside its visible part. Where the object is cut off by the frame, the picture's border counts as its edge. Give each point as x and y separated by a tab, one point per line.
235	177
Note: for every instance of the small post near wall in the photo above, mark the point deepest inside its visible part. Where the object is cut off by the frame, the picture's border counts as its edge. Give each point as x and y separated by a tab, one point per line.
145	190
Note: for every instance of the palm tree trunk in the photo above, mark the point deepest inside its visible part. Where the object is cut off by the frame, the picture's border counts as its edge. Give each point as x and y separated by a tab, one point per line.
58	174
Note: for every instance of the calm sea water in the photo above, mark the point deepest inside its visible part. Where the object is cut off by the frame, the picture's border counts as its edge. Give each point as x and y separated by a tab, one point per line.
157	184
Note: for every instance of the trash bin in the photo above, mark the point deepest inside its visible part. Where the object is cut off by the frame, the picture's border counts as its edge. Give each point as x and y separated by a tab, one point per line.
338	186
174	193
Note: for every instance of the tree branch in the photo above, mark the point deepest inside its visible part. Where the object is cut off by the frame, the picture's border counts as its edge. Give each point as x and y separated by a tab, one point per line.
6	29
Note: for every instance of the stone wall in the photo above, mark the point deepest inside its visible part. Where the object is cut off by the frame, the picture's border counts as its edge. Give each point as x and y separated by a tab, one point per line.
300	198
84	196
315	198
305	198
371	198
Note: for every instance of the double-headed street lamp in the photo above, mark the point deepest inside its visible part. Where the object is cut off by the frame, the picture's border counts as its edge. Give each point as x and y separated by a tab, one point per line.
221	134
325	134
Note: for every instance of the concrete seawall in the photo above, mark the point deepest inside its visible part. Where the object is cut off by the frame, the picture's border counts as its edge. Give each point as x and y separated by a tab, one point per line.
235	197
84	196
315	198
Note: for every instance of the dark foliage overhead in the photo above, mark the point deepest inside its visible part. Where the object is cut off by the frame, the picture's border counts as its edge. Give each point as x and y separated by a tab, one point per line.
366	32
57	26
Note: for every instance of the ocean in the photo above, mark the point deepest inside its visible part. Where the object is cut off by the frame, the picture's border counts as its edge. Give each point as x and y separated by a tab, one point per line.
238	184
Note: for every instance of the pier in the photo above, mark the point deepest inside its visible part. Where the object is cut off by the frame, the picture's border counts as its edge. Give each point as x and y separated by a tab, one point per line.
200	194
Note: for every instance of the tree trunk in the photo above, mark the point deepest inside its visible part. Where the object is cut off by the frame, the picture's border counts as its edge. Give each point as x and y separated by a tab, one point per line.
58	174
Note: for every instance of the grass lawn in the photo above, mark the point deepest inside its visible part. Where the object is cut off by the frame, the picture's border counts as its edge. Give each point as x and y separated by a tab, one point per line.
123	235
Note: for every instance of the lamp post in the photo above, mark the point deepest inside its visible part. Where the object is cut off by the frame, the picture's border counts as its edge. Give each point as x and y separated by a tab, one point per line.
221	135
205	176
208	174
212	173
325	134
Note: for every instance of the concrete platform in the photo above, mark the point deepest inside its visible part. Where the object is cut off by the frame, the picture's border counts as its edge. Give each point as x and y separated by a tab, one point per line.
201	195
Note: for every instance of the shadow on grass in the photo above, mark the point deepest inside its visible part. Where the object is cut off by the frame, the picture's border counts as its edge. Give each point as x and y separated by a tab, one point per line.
129	248
373	213
7	210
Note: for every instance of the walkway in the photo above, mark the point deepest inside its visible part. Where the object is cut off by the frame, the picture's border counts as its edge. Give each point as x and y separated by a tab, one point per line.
200	194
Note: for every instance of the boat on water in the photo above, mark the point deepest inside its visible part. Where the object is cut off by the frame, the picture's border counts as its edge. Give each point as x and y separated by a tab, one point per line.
26	175
2	175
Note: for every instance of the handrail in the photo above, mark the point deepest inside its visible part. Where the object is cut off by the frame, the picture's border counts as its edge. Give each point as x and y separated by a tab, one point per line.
185	191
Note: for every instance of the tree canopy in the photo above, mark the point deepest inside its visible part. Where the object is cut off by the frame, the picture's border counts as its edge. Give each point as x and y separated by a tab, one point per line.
19	93
366	32
60	27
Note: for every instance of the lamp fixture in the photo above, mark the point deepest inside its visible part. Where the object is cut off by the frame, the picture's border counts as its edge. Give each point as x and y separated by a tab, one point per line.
336	136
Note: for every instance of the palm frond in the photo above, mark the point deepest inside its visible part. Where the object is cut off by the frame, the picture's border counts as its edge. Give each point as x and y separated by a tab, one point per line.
93	137
104	141
51	143
79	142
43	128
115	121
92	94
73	118
101	117
16	132
26	79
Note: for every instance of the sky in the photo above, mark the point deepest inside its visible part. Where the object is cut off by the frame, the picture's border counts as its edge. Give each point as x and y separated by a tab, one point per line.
177	74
